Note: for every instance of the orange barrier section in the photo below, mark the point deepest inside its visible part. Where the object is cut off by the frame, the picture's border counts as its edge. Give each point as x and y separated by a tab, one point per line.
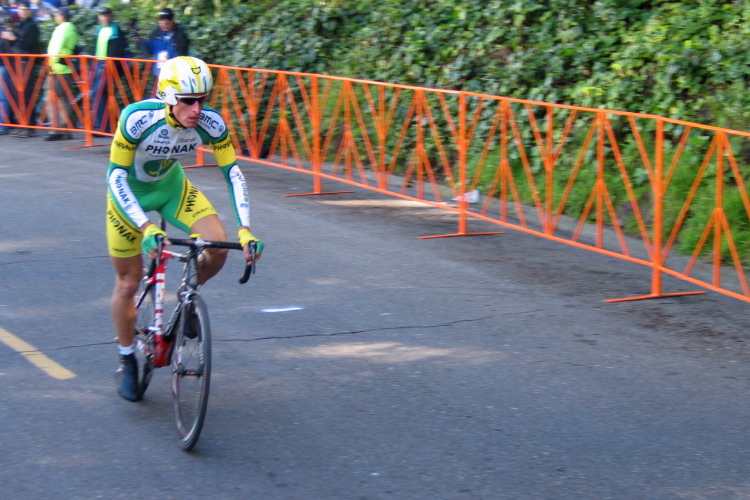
546	169
31	90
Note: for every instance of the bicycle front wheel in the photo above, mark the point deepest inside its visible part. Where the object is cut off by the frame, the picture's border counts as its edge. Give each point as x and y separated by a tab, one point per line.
144	338
191	371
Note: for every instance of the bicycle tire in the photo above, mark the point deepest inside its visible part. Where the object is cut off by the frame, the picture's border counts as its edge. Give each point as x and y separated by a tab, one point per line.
191	373
144	338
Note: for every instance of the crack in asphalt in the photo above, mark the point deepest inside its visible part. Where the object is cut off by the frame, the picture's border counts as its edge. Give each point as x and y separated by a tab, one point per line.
304	335
356	332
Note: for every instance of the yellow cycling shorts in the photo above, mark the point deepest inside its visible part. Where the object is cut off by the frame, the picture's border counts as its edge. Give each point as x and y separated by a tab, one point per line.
182	208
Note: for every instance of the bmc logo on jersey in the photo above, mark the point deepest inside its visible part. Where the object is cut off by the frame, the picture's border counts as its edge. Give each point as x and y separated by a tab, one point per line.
135	127
212	123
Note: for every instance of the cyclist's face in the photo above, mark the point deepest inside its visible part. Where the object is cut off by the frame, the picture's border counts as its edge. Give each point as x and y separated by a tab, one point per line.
187	111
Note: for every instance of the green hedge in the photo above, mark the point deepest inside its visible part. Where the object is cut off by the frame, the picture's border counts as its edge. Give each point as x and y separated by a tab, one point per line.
685	60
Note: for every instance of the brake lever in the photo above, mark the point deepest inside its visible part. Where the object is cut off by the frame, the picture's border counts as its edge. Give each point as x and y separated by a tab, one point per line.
249	268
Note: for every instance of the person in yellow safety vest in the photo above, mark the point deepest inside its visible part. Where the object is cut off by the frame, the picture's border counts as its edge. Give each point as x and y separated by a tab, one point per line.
110	42
62	88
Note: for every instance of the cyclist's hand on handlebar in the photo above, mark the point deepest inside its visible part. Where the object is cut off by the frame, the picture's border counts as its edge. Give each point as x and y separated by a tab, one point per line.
149	242
246	237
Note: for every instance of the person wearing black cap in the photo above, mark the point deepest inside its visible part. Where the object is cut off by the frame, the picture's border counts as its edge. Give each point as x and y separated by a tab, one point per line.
6	83
24	39
110	42
166	41
110	39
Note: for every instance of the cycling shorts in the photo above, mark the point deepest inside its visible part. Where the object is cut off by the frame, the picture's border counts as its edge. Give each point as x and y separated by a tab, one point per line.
181	204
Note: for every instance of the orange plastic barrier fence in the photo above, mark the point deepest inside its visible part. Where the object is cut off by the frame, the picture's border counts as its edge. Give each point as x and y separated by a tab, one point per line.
550	170
95	91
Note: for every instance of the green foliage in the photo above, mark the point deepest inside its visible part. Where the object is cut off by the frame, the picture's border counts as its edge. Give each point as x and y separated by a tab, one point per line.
685	60
678	59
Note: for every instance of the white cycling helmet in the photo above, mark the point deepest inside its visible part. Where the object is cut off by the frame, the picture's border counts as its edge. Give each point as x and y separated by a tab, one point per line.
183	75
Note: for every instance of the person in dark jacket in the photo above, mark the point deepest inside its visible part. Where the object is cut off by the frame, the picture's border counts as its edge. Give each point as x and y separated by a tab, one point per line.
166	41
6	84
24	39
110	42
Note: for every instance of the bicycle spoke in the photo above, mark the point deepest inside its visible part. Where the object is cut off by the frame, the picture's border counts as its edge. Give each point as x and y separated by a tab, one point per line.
191	369
144	345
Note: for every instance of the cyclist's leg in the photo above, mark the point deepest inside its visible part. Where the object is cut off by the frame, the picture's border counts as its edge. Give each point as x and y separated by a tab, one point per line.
124	241
194	214
210	228
128	273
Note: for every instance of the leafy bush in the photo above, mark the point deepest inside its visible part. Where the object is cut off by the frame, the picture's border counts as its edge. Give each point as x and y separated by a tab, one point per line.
677	59
684	60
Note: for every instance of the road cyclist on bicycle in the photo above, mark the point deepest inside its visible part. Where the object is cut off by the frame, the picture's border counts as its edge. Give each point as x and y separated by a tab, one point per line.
145	175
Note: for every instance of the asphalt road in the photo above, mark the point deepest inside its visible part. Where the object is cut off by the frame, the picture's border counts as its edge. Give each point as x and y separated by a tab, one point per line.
362	362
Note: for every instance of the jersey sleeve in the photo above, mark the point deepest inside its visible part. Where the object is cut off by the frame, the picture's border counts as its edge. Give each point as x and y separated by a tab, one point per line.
121	157
218	136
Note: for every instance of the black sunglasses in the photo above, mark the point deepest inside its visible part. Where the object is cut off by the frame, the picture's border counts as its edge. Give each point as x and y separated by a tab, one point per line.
189	101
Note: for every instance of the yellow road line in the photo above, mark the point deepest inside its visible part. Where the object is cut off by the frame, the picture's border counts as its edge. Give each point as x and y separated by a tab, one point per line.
35	357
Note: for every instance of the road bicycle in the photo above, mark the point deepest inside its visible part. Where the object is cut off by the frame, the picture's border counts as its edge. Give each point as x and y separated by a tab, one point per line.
184	342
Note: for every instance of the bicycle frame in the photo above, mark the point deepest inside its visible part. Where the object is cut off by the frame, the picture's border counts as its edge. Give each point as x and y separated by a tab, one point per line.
184	342
158	280
156	277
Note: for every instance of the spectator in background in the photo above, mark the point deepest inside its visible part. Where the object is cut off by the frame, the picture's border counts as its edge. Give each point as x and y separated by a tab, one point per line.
42	9
24	39
62	87
6	85
110	42
166	41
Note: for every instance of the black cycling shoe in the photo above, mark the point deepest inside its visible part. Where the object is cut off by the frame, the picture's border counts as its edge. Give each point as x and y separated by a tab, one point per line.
127	378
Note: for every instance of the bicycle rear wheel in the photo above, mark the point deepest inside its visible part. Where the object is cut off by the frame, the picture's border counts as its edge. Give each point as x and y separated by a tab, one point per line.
191	371
144	338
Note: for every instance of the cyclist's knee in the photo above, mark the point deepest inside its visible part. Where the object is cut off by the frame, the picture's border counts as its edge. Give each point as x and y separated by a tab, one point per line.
212	264
127	285
128	272
216	256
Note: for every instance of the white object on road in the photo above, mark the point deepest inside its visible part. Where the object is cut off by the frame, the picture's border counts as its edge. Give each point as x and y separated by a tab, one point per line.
470	197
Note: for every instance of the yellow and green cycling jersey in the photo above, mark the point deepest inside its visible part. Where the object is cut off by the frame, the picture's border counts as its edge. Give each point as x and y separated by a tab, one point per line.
145	173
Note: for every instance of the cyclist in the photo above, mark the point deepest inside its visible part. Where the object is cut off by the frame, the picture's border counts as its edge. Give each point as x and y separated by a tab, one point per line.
145	175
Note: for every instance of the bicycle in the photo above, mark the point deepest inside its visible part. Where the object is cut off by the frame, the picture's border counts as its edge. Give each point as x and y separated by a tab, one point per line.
185	342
